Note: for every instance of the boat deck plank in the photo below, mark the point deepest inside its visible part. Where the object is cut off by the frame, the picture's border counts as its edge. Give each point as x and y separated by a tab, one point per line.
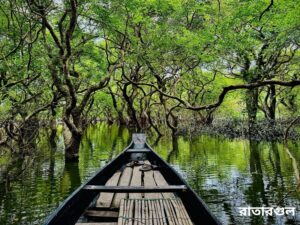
105	199
161	181
103	214
149	181
136	181
124	181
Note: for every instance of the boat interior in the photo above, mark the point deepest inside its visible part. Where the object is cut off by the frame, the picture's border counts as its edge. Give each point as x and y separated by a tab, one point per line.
138	194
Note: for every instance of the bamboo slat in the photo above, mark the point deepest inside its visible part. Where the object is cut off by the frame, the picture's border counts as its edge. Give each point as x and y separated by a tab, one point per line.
183	210
130	214
153	212
180	215
121	213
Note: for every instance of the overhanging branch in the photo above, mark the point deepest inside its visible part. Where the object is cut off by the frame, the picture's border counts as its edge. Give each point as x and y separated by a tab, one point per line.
246	86
224	92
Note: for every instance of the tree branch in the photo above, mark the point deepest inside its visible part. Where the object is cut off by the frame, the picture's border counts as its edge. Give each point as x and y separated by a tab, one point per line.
267	9
103	83
71	27
225	91
245	86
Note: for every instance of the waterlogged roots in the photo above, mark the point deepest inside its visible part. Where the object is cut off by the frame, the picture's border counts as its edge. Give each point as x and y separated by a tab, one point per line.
262	130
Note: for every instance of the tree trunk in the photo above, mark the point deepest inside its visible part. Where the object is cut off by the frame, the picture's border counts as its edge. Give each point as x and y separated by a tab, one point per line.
174	153
53	131
152	124
269	105
252	106
121	119
72	142
209	117
251	95
130	108
173	124
272	108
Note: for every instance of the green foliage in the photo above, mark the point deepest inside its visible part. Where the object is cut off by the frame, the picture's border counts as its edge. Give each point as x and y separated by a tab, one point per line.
187	49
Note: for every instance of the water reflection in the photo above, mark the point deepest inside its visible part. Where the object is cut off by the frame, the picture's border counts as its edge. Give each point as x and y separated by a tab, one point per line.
227	174
70	178
174	151
256	195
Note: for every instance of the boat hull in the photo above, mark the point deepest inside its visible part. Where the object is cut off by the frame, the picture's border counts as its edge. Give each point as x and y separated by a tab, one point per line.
73	207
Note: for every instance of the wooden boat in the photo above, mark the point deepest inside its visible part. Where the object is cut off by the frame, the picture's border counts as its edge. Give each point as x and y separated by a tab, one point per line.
137	187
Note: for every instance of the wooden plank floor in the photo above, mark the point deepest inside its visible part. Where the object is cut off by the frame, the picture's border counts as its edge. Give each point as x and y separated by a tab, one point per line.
136	180
138	208
149	181
105	199
124	181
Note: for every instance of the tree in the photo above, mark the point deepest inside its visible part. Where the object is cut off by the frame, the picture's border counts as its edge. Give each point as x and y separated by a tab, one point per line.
20	73
67	46
254	49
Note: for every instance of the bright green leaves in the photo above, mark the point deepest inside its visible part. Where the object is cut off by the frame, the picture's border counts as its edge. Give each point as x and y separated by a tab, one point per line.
180	42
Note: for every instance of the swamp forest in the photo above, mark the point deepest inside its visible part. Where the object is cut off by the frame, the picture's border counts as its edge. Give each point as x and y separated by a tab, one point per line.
214	84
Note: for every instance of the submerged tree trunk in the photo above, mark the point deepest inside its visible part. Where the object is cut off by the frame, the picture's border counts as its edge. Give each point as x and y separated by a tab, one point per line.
72	142
173	124
53	132
174	153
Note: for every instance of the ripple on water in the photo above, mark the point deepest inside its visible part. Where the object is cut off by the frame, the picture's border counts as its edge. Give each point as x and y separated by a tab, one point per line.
226	174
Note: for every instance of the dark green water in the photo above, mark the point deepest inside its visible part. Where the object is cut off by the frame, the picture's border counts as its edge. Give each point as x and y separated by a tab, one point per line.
227	174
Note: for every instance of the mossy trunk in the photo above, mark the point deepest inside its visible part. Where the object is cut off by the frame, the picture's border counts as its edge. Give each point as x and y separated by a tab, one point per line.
252	106
72	142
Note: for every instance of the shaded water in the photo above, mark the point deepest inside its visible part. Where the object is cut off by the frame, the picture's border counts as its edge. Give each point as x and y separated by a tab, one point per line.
227	174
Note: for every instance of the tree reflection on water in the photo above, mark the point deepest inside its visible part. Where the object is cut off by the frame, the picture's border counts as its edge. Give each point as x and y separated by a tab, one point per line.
227	174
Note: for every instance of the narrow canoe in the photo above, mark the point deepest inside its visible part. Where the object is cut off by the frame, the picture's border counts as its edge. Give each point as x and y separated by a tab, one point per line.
137	187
